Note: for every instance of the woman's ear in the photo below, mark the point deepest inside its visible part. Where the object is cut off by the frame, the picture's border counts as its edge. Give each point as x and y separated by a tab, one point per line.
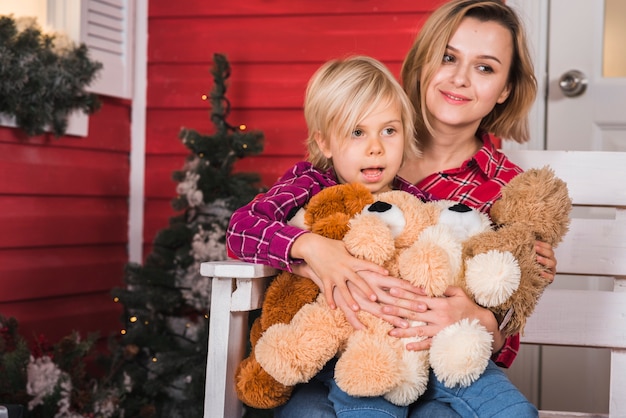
505	94
323	144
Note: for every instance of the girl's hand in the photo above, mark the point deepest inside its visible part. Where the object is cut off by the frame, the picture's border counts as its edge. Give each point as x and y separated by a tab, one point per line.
438	313
545	257
333	268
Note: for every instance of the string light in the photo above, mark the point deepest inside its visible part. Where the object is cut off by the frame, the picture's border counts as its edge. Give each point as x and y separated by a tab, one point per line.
133	319
204	97
123	332
154	359
116	299
242	127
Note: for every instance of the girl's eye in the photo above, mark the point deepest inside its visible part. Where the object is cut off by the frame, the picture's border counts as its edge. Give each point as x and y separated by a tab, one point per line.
389	131
357	133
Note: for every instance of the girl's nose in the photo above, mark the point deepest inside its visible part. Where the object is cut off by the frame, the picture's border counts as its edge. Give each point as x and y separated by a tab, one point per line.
375	147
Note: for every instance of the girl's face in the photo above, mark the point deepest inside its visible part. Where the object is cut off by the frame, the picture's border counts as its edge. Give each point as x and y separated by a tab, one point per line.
372	155
472	77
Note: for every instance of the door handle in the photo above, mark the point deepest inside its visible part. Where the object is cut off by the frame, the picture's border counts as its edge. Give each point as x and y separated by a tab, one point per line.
573	83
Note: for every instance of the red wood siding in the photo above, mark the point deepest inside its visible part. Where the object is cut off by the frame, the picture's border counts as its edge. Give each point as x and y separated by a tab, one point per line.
64	225
273	48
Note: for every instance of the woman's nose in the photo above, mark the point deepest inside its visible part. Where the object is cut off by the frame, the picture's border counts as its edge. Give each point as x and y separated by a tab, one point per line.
460	76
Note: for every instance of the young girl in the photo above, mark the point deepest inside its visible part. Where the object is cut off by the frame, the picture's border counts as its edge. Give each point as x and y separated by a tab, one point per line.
361	129
468	73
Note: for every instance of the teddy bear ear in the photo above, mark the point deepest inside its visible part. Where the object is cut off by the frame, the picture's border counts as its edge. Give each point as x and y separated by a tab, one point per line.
356	197
349	199
538	199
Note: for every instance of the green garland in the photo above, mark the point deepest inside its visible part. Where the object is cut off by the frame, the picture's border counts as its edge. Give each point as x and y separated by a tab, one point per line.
42	83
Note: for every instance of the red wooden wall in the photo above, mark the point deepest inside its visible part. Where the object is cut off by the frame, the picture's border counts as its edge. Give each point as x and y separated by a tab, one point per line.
273	46
64	223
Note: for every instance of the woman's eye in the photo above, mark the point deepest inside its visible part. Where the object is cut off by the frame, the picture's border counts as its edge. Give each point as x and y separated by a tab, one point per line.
448	58
485	69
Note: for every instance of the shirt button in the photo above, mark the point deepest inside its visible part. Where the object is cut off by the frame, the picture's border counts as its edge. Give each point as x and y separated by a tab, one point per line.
282	264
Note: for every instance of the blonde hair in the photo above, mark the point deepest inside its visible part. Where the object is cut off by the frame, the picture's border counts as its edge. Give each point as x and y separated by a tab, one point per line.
508	120
342	93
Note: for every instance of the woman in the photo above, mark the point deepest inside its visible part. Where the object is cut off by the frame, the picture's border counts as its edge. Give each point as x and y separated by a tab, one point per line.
468	73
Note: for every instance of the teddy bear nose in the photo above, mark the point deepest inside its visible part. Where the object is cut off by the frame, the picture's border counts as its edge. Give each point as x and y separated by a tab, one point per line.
379	207
460	207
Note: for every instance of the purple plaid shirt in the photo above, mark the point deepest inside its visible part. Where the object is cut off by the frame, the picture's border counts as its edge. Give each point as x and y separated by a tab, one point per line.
258	232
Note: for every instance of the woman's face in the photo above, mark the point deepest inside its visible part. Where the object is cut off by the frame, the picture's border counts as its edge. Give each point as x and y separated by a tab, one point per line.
472	76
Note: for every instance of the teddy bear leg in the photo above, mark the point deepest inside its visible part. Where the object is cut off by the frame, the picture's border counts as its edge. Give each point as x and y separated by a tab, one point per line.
374	364
414	378
492	277
459	354
370	365
295	352
254	386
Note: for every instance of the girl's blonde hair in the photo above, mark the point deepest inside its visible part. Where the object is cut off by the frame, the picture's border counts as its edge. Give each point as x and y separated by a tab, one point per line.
342	93
508	120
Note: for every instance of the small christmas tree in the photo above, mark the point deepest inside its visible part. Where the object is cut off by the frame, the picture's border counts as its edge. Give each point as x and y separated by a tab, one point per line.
163	347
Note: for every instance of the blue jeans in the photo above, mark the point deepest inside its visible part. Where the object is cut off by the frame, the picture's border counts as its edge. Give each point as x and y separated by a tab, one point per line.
491	396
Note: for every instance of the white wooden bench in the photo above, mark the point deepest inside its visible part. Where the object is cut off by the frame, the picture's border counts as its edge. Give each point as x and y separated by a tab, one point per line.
593	247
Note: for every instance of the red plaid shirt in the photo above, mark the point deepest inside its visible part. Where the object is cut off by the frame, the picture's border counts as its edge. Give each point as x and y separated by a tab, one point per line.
477	183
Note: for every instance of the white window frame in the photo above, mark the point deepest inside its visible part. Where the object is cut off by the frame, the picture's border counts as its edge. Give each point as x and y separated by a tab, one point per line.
107	28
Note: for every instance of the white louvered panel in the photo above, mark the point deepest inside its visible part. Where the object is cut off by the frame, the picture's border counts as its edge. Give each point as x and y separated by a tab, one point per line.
111	8
107	30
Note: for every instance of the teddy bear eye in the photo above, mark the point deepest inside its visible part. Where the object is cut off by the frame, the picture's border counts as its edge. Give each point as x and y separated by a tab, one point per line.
460	207
379	206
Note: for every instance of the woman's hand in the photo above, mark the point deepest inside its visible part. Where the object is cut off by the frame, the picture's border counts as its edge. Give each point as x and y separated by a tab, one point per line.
545	257
437	313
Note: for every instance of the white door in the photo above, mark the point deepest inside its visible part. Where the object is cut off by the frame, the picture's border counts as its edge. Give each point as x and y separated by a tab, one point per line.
580	44
587	36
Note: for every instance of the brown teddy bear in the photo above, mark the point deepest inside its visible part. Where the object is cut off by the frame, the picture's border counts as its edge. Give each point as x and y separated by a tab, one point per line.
500	269
535	205
327	214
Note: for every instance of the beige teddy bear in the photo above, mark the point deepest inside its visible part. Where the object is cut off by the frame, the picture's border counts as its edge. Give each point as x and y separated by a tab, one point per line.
371	362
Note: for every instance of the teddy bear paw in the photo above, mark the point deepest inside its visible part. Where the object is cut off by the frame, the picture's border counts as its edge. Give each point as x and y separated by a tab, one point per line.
492	277
459	354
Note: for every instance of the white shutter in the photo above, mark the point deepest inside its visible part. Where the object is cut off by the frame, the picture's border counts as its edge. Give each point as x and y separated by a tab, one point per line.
107	30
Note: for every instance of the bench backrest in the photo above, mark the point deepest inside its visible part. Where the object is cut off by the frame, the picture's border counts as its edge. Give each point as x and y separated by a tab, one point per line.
595	246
